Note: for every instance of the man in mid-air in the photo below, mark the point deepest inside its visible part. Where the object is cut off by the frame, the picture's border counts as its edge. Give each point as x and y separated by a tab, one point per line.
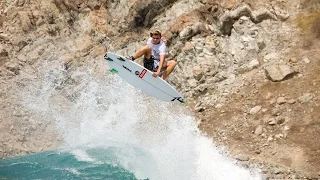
154	56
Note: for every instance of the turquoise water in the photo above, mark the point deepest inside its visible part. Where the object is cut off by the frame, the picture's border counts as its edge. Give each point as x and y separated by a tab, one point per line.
63	165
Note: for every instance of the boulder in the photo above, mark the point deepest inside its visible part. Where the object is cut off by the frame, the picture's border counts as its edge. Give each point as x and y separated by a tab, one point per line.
278	73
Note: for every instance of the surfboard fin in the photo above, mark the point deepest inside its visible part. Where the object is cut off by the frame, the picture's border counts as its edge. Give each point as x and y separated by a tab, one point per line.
180	99
113	70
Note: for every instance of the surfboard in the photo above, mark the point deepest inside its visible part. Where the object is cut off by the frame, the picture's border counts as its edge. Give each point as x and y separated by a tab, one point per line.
142	78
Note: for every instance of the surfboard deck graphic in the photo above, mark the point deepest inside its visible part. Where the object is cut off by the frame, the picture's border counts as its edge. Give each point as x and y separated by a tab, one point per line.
142	78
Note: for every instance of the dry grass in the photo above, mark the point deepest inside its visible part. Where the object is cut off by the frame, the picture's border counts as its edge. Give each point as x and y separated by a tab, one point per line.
311	5
309	24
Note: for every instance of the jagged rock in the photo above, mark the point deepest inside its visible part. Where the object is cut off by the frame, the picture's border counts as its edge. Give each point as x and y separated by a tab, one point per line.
197	72
20	2
261	44
271	57
21	45
250	66
22	58
281	120
278	73
13	67
4	37
25	21
192	83
272	121
230	17
2	20
141	13
4	53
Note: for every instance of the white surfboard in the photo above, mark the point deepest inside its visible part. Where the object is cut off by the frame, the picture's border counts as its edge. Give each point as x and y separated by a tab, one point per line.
142	78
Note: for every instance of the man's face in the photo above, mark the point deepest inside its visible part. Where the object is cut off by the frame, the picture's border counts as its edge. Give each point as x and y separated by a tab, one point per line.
156	39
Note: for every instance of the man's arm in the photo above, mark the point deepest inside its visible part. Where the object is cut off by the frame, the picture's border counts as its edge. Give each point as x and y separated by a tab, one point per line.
162	58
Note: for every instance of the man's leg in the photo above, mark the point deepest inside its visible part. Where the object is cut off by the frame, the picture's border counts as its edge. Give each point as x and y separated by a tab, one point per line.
170	65
146	51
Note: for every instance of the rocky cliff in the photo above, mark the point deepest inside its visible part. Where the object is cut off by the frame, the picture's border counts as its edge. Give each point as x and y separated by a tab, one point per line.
249	70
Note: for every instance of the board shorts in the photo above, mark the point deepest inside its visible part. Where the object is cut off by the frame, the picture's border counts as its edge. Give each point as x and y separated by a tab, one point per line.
152	64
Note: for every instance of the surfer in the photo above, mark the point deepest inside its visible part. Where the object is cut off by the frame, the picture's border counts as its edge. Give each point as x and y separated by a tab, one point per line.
155	56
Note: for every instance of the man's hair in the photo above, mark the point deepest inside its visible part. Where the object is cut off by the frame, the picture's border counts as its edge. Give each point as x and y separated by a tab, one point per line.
155	32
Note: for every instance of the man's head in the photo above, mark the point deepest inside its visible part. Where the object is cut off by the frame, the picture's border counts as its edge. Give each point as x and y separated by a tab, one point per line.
156	37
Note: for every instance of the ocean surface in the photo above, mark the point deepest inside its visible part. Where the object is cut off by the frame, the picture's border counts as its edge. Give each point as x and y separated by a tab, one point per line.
113	131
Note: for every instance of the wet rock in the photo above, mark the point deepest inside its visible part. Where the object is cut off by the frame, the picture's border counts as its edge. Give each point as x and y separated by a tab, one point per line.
278	73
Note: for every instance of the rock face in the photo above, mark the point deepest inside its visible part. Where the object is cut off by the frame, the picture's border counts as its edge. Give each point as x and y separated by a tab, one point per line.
221	48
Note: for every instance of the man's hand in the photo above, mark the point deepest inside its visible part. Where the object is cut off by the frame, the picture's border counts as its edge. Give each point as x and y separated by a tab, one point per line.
164	39
155	74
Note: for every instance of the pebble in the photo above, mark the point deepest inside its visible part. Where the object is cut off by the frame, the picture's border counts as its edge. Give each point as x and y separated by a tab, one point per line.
218	106
305	98
291	101
272	121
293	60
281	120
281	100
306	60
258	130
241	157
255	110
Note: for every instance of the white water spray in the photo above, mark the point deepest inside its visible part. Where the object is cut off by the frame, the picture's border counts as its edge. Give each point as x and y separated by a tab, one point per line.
147	137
